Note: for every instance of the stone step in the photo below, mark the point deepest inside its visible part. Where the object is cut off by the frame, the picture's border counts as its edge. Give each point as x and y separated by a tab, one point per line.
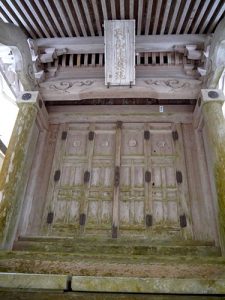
116	266
102	284
110	247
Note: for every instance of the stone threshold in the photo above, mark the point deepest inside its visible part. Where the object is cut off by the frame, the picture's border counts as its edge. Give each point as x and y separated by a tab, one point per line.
69	283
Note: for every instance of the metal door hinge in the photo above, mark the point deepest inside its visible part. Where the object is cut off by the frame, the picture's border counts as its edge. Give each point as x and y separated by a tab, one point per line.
86	176
148	220
64	135
57	175
147	176
91	135
50	217
82	219
179	177
183	221
146	135
175	135
117	176
114	232
119	124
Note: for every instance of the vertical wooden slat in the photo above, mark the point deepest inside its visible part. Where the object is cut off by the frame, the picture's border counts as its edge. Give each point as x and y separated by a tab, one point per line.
100	59
153	58
51	12
97	18
146	58
113	9
90	151
165	16
71	60
63	17
198	21
193	13
116	191
87	14
174	17
156	21
78	60
184	13
161	62
217	18
183	187
71	17
209	16
122	10
148	16
64	60
85	60
140	10
93	60
79	17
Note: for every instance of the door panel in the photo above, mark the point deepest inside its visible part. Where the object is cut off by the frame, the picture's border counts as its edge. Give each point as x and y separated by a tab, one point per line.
148	196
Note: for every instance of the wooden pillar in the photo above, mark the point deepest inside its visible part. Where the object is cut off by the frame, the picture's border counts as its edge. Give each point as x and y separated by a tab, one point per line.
211	104
15	171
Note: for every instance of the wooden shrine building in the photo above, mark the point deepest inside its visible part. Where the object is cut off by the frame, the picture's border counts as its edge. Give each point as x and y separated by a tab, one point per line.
114	178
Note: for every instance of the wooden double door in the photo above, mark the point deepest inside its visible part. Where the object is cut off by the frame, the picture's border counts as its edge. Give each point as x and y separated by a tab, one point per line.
118	179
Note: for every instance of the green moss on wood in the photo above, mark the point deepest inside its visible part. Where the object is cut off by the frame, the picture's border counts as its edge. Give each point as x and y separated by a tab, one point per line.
12	170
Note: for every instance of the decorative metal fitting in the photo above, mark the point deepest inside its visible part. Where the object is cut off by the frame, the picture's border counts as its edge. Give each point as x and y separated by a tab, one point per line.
26	96
213	94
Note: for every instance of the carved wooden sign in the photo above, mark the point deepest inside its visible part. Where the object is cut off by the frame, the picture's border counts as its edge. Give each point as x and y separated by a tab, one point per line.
119	52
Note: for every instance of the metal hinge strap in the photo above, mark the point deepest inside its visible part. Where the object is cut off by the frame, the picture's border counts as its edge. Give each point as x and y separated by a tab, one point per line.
183	221
57	175
87	176
82	219
64	135
147	176
117	176
148	220
91	135
146	135
175	135
179	177
50	217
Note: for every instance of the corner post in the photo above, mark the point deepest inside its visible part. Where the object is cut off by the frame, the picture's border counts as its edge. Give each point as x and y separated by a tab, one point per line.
211	102
16	168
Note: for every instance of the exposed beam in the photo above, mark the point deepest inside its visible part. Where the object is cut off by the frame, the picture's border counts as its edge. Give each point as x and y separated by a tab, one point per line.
217	18
183	16
78	13
165	16
71	18
209	16
193	12
156	22
148	16
63	17
51	12
203	10
113	9
140	10
97	17
175	13
154	43
87	14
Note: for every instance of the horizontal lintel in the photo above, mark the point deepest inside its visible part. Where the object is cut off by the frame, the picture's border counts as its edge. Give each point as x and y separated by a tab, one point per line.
150	43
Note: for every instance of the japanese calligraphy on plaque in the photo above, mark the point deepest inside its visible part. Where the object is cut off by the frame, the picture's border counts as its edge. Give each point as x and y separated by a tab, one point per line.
119	52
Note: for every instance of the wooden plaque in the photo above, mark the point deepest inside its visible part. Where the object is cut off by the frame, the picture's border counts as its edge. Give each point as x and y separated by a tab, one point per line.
119	52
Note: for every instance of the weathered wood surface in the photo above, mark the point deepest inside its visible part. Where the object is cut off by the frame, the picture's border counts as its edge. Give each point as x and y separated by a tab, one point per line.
119	52
149	43
124	113
163	88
